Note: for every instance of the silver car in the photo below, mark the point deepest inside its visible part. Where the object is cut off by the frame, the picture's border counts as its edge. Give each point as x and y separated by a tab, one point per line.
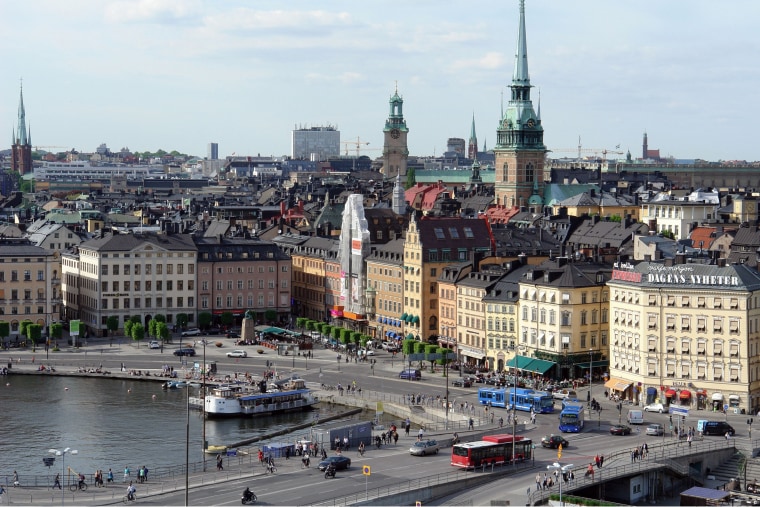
655	429
424	448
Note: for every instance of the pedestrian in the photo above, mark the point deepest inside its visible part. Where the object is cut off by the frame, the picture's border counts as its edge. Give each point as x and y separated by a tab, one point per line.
596	461
406	429
57	483
126	473
219	464
470	426
601	460
141	475
538	481
501	422
728	436
15	476
688	439
420	434
287	453
109	477
261	457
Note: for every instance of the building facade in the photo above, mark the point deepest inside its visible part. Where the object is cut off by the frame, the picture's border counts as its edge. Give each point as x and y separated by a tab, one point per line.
125	275
30	285
395	145
686	334
315	143
385	276
237	275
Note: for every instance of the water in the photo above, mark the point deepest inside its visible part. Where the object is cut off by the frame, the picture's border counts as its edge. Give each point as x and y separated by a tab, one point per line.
113	423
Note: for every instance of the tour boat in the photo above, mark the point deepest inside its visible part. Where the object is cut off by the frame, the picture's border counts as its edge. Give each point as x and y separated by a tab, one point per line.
240	400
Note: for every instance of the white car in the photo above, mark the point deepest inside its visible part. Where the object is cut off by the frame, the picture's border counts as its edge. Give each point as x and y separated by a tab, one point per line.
193	331
237	353
562	394
154	344
656	407
368	352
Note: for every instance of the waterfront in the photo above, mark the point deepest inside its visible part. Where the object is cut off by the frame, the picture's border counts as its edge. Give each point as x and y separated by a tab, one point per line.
113	423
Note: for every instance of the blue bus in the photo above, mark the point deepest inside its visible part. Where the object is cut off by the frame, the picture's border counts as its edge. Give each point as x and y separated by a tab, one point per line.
571	418
522	399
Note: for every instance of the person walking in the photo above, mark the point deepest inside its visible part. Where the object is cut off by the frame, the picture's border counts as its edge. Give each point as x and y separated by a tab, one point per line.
471	424
57	483
219	463
601	460
421	434
15	476
109	477
126	473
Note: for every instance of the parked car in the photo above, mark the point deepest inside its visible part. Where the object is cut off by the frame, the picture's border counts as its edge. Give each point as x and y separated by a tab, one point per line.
620	429
656	407
461	382
154	344
424	448
411	374
213	331
339	462
184	352
655	429
193	331
366	352
553	441
237	353
232	334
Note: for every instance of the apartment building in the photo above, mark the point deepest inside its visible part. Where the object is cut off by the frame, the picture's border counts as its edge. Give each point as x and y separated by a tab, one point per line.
124	275
30	285
240	274
385	277
686	334
563	321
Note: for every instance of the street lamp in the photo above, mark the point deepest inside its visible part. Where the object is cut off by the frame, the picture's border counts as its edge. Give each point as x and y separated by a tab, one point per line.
63	454
563	469
590	375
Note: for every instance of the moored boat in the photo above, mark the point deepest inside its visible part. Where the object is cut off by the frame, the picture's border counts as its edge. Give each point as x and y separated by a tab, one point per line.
239	400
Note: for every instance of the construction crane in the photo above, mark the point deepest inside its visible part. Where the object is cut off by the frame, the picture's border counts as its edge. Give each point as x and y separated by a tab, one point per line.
581	150
47	148
357	144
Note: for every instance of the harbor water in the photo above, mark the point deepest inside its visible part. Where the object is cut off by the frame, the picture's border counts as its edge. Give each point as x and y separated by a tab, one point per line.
115	423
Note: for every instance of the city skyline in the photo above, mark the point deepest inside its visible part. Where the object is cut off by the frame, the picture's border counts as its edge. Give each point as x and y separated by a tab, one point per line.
152	74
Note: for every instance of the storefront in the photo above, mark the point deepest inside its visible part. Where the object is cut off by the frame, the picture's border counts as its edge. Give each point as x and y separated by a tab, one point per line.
717	401
701	399
733	403
651	395
670	396
685	397
620	387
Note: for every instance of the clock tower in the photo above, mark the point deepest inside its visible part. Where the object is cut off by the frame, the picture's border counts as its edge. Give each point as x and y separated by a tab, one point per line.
395	148
519	152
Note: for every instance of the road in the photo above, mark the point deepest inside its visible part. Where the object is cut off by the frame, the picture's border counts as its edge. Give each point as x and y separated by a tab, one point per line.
390	465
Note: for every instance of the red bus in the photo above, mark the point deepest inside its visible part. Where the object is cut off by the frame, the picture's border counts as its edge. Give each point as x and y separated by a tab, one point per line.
493	449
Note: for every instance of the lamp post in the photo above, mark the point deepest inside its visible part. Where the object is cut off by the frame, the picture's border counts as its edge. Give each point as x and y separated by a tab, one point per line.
590	374
63	454
203	404
562	469
749	428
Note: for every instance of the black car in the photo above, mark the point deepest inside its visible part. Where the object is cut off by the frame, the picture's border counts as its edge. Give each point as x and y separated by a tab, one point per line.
232	334
339	462
184	352
461	382
620	429
553	441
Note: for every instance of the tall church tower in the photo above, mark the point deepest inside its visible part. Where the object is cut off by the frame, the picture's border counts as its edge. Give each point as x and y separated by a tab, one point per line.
395	148
21	144
472	148
519	151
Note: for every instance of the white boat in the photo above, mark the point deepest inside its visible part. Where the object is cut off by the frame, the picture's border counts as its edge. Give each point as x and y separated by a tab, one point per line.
238	400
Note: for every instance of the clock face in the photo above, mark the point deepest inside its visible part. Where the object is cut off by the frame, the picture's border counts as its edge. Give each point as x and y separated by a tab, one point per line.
395	133
531	123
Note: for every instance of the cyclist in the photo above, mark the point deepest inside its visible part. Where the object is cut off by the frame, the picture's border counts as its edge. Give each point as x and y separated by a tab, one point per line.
131	491
361	448
81	481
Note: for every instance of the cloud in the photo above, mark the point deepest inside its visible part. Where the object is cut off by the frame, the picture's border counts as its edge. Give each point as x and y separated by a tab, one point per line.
489	61
151	11
248	19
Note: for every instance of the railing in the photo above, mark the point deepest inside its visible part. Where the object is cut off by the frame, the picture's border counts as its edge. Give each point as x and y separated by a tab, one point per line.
428	482
659	456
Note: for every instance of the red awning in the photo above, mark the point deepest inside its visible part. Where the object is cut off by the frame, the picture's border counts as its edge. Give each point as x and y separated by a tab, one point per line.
670	393
685	394
701	392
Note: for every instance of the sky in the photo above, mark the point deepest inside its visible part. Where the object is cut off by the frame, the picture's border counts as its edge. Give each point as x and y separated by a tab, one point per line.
178	74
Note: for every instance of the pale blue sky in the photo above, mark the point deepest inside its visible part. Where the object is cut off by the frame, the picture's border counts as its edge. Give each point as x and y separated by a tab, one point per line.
174	74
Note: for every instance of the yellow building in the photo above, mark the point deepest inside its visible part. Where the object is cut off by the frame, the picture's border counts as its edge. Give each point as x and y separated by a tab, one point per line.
686	334
385	277
563	320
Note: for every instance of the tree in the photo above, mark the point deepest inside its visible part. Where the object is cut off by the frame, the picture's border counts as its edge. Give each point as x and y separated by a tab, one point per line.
159	317
182	319
112	324
23	328
335	332
345	336
34	332
410	178
138	333
204	319
162	331
5	331
56	331
429	351
270	316
301	322
227	319
128	327
407	346
363	339
152	323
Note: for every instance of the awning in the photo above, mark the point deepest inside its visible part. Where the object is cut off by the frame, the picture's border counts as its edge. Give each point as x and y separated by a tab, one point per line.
733	397
519	362
701	392
617	384
717	397
594	364
416	319
685	395
540	365
404	316
670	393
476	355
410	336
651	390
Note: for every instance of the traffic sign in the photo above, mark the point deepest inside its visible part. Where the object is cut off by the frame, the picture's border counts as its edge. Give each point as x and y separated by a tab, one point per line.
366	470
676	410
416	357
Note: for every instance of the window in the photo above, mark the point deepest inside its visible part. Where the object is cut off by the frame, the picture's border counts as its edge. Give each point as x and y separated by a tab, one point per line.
439	233
115	269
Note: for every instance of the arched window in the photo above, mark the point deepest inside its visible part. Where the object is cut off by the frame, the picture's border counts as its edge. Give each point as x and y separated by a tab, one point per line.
529	172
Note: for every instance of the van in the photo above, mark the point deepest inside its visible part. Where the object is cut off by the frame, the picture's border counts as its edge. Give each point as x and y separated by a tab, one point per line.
635	417
719	428
410	374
